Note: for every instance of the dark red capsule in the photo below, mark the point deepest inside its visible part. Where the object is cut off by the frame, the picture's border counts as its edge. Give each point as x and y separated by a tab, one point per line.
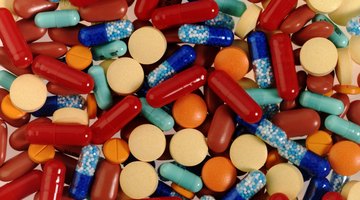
52	182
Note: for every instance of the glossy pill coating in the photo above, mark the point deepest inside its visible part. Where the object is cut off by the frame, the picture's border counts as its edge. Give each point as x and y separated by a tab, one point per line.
6	79
78	57
70	115
233	61
297	19
116	150
68	36
319	142
317	188
344	158
352	114
332	196
347	89
104	11
112	49
54	103
182	191
143	9
101	89
320	84
39	153
346	101
321	103
52	49
52	181
82	3
343	128
247	21
91	106
221	20
57	19
10	110
232	7
316	29
264	96
26	9
70	165
157	116
30	30
16	167
3	141
7	64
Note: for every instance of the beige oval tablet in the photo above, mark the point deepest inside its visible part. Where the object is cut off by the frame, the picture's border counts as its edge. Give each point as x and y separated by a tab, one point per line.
70	116
248	153
284	178
354	46
344	67
324	6
351	190
247	21
28	93
138	180
125	76
188	147
147	45
147	142
318	56
347	10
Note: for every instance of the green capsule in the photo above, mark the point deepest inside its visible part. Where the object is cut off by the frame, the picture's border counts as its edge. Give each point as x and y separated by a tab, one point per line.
232	7
57	18
264	96
101	90
343	128
6	79
181	176
113	49
321	103
157	116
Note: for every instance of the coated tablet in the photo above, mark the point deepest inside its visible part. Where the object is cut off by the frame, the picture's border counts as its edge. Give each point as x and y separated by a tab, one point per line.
321	6
70	116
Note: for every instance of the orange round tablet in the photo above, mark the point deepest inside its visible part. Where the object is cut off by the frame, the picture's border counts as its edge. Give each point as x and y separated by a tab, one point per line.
344	158
273	159
347	89
247	83
233	61
319	142
218	174
39	153
182	191
91	106
79	57
189	111
116	150
10	110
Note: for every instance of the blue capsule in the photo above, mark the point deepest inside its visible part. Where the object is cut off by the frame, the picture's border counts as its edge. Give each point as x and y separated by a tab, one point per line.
101	89
54	103
103	33
222	20
57	19
201	34
178	61
317	188
337	181
163	190
110	50
344	128
353	26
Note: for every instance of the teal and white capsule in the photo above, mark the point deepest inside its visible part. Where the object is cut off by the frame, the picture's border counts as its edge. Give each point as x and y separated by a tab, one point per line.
264	96
101	90
222	20
6	79
110	50
321	103
157	116
57	19
344	128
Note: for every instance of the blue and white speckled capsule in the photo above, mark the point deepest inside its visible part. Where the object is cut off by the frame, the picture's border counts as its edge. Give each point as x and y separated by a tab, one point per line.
222	20
84	172
103	33
54	103
337	181
201	34
353	26
248	187
207	197
178	61
270	110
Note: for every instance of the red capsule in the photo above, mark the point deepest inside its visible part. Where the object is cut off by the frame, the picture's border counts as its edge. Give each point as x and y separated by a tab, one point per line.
144	8
106	10
3	141
16	167
82	3
187	13
52	49
58	134
29	30
297	19
61	74
69	149
7	64
234	96
68	35
58	90
163	3
284	66
172	35
70	165
182	83
52	182
115	119
13	41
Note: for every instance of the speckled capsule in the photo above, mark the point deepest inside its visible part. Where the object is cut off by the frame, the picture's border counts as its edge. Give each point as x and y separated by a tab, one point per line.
54	103
222	20
157	116
110	50
337	181
270	110
353	26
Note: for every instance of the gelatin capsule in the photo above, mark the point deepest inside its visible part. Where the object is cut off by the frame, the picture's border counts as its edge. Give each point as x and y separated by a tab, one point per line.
52	182
157	116
57	19
82	3
337	181
222	20
101	90
54	103
353	26
164	190
3	141
297	19
144	8
110	50
344	128
16	167
317	188
232	7
264	96
102	11
321	103
6	79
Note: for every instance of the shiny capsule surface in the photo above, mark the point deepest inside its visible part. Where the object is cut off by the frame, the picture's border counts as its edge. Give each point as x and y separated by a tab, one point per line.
52	182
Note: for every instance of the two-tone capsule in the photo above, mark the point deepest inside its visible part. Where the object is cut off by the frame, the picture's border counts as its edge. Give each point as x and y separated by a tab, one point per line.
222	20
54	103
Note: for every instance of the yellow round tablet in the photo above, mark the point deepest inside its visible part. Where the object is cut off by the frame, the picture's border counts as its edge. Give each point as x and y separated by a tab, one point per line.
284	178
10	110
247	21
125	76
106	64
354	46
147	45
318	56
347	10
70	116
79	57
248	153
116	150
28	93
138	180
344	67
188	147
39	153
324	6
147	142
351	190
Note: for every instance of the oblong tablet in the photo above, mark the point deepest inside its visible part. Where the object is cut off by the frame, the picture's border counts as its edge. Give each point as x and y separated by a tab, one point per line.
354	46
70	116
247	21
344	67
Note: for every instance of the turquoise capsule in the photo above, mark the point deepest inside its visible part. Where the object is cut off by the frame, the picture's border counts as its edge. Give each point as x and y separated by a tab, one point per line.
157	116
343	128
232	7
264	96
113	49
101	90
321	103
57	19
181	176
6	79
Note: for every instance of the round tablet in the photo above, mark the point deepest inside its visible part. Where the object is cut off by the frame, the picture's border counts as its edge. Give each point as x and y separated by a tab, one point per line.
70	116
125	76
324	6
319	142
9	110
116	150
147	142
218	174
138	180
28	93
351	190
318	56
248	153
147	45
284	178
91	106
41	153
79	57
344	158
233	61
188	147
354	47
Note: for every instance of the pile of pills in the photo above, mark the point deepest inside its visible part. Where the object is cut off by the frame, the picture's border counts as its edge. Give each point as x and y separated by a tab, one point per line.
174	100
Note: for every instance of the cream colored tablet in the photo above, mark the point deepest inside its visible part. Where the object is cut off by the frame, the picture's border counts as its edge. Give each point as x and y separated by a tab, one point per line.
248	153
318	56
70	116
147	142
347	10
188	147
28	93
344	67
284	178
247	21
147	45
324	6
354	46
138	180
351	190
125	76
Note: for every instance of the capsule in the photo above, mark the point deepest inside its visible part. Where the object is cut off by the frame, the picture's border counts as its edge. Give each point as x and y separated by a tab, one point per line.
222	20
353	26
232	7
186	13
144	8
337	181
54	103
52	182
233	95
207	197
110	50
178	61
260	57
321	103
83	3
70	165
248	187
3	141
181	176
58	134
106	32
6	79
344	128
157	116
14	42
182	83
84	172
264	96
101	90
115	119
164	190
61	74
269	110
57	19
207	35
317	188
